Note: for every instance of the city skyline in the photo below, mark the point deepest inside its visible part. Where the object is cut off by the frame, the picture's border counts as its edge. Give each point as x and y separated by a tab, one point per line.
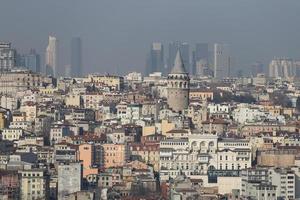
106	39
152	100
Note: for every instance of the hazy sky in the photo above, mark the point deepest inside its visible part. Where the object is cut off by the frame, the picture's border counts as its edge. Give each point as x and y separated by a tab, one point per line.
117	34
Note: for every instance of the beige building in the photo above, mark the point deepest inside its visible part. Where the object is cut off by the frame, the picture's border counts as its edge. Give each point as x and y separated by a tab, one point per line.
149	153
73	100
92	101
200	94
277	158
30	110
114	155
34	184
114	82
21	80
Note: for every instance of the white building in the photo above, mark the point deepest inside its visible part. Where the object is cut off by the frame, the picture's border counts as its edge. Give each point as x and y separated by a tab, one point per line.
221	61
51	58
282	67
234	154
134	77
284	179
12	134
244	113
192	156
7	56
58	132
9	102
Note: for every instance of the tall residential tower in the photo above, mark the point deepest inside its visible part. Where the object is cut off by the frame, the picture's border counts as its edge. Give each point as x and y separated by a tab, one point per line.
76	57
221	61
51	59
155	61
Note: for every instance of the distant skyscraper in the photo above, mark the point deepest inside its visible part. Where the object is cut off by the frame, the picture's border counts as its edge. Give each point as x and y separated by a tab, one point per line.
184	48
221	61
257	68
32	61
282	67
155	61
199	54
76	57
52	57
202	68
7	56
68	71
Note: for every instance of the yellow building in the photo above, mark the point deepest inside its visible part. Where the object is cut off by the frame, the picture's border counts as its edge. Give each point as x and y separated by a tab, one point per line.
2	120
48	90
149	153
115	82
201	94
166	126
148	130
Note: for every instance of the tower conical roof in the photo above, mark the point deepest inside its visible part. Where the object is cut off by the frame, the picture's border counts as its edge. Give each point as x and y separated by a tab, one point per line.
178	65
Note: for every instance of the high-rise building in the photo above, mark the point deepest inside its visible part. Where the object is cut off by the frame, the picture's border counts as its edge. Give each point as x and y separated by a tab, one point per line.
178	86
221	61
202	68
200	54
257	68
184	48
282	67
155	61
7	56
68	71
32	61
76	57
52	57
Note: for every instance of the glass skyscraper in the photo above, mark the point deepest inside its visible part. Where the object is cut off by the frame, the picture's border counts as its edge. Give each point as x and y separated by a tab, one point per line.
76	57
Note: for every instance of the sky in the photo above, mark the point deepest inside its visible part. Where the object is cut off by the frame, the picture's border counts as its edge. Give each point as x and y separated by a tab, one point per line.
117	34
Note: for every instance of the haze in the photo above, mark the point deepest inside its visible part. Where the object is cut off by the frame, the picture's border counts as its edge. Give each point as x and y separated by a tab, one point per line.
117	34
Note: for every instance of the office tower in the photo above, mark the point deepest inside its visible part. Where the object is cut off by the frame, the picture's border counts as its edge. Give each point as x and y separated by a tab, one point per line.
297	68
68	71
221	61
202	68
282	67
201	51
184	49
199	54
257	68
32	61
76	57
155	61
178	86
7	56
52	57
